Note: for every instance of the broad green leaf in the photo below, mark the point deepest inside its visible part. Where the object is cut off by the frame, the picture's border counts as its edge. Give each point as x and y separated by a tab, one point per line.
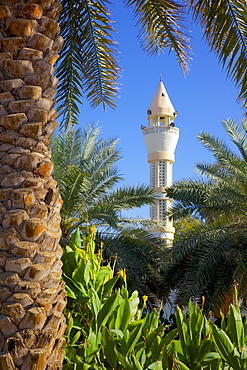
141	353
81	289
91	347
235	329
70	292
151	320
182	326
75	338
156	366
108	286
118	332
85	367
122	359
170	336
136	363
76	239
70	326
134	301
108	347
196	323
103	275
123	315
81	273
204	349
92	340
211	356
107	309
95	304
187	344
127	347
223	321
156	349
152	336
179	365
69	262
225	347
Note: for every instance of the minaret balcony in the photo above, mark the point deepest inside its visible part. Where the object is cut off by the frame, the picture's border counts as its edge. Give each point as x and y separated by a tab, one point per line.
160	129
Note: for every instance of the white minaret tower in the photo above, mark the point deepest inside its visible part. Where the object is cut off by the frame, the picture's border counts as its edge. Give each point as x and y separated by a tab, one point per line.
161	139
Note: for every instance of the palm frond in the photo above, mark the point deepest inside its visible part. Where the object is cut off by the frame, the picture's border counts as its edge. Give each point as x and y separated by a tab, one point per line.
73	187
88	65
207	258
145	264
66	151
199	261
224	26
238	136
191	195
162	26
70	88
229	161
129	197
97	154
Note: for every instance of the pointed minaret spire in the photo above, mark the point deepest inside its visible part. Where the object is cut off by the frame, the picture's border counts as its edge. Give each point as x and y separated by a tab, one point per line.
161	139
161	104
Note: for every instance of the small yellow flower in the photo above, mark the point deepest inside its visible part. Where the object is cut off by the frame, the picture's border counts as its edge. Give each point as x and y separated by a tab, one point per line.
122	273
145	298
92	230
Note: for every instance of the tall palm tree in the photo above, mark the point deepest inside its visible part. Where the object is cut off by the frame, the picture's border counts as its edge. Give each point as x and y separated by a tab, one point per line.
86	172
32	295
209	258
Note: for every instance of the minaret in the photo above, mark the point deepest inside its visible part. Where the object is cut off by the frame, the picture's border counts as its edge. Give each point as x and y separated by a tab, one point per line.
161	139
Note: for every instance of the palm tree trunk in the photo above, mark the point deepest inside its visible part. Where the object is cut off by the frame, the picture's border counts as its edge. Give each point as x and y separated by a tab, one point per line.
32	295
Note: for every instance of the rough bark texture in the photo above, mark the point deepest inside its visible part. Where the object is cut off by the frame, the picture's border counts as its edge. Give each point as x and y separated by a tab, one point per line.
32	295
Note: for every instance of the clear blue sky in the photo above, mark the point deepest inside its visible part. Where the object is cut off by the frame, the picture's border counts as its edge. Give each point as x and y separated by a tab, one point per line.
203	99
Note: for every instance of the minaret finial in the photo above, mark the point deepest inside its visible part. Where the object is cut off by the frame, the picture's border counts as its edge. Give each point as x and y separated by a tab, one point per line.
161	77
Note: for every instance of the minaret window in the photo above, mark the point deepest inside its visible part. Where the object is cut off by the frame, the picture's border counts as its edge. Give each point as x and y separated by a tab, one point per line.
162	210
152	212
162	173
152	173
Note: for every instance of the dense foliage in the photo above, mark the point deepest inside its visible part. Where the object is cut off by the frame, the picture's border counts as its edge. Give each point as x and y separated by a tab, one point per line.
210	257
88	178
107	327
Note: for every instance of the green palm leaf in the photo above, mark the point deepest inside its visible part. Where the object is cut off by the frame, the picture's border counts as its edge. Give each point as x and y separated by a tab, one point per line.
224	26
87	176
86	172
207	258
88	65
162	26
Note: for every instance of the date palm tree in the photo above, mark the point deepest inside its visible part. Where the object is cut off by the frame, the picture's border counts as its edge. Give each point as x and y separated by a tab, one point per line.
208	259
32	295
86	172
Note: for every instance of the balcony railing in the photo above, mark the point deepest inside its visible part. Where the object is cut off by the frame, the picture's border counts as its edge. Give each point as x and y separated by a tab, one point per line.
159	129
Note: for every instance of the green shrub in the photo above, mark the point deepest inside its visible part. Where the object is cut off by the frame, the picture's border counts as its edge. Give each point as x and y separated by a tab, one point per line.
107	329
